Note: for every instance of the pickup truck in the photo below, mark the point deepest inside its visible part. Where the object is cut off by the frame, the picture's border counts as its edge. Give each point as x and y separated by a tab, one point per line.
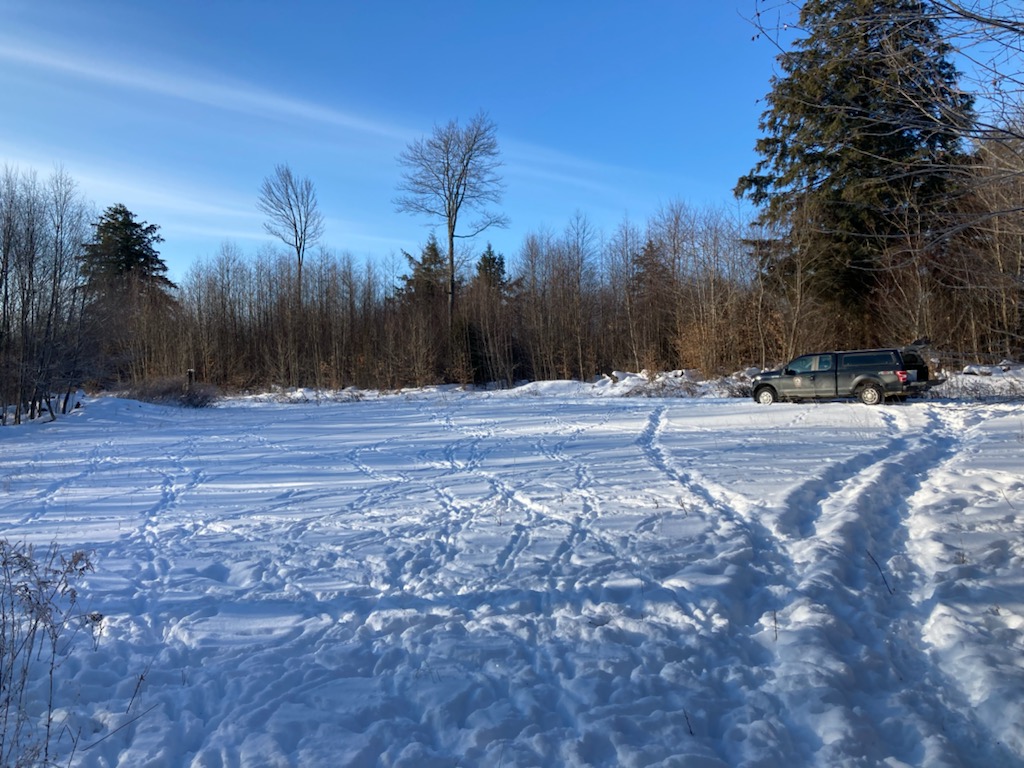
871	375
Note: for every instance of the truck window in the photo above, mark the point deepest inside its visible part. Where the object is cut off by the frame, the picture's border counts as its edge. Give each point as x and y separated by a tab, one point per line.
868	360
823	363
801	364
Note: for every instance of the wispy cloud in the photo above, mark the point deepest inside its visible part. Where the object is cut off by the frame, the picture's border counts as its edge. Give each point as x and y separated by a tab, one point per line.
522	159
210	92
537	163
104	181
179	200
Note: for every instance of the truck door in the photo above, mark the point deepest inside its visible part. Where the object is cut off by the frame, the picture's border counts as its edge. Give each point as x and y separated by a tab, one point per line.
797	380
824	376
809	376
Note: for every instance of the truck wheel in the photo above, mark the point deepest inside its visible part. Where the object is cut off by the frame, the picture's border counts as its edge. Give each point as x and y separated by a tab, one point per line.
766	396
871	394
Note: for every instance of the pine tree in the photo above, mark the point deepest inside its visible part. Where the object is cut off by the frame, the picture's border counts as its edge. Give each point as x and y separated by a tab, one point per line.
863	133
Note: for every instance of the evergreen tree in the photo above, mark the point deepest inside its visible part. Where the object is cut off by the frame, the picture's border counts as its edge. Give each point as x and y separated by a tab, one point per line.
123	250
428	277
488	318
862	141
130	312
654	301
490	269
421	308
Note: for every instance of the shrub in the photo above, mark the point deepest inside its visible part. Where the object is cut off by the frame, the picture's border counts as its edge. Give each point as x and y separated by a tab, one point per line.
38	605
175	391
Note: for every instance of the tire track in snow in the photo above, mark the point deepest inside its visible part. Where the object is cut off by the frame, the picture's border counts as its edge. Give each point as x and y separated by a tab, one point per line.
849	600
942	584
802	506
713	502
822	589
734	554
431	619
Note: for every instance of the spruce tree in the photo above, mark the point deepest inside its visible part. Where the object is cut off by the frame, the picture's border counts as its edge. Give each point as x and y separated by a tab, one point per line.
490	269
863	133
428	277
130	310
123	250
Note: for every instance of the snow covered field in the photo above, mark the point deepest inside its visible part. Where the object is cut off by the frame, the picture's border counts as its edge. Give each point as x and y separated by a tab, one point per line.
545	576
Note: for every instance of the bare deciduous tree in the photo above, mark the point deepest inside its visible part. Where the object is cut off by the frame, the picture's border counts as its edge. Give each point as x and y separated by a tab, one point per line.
293	216
452	170
42	228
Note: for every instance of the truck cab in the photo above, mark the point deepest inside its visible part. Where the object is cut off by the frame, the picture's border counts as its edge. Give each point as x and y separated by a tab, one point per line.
809	376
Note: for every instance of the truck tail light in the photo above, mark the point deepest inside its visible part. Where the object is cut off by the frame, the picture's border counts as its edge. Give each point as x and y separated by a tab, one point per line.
903	376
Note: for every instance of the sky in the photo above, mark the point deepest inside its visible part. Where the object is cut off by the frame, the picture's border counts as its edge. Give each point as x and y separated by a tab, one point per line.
180	110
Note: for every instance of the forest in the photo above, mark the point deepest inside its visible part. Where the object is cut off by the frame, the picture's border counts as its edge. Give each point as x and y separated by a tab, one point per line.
889	207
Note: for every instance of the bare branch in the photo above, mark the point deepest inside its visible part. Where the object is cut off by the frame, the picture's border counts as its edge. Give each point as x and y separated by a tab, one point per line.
453	170
291	208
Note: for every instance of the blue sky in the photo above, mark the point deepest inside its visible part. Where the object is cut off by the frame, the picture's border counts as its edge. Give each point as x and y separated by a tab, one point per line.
180	109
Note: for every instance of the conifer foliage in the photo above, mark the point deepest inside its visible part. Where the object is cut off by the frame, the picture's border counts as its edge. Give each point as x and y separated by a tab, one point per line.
124	249
131	305
862	146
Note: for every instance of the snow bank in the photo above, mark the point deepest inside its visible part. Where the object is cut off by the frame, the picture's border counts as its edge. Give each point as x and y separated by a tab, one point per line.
1005	381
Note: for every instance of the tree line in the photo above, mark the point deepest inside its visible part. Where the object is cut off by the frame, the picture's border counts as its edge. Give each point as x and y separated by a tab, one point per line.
42	335
889	208
571	305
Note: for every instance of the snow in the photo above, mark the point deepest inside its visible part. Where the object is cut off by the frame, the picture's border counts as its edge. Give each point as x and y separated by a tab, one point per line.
552	575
